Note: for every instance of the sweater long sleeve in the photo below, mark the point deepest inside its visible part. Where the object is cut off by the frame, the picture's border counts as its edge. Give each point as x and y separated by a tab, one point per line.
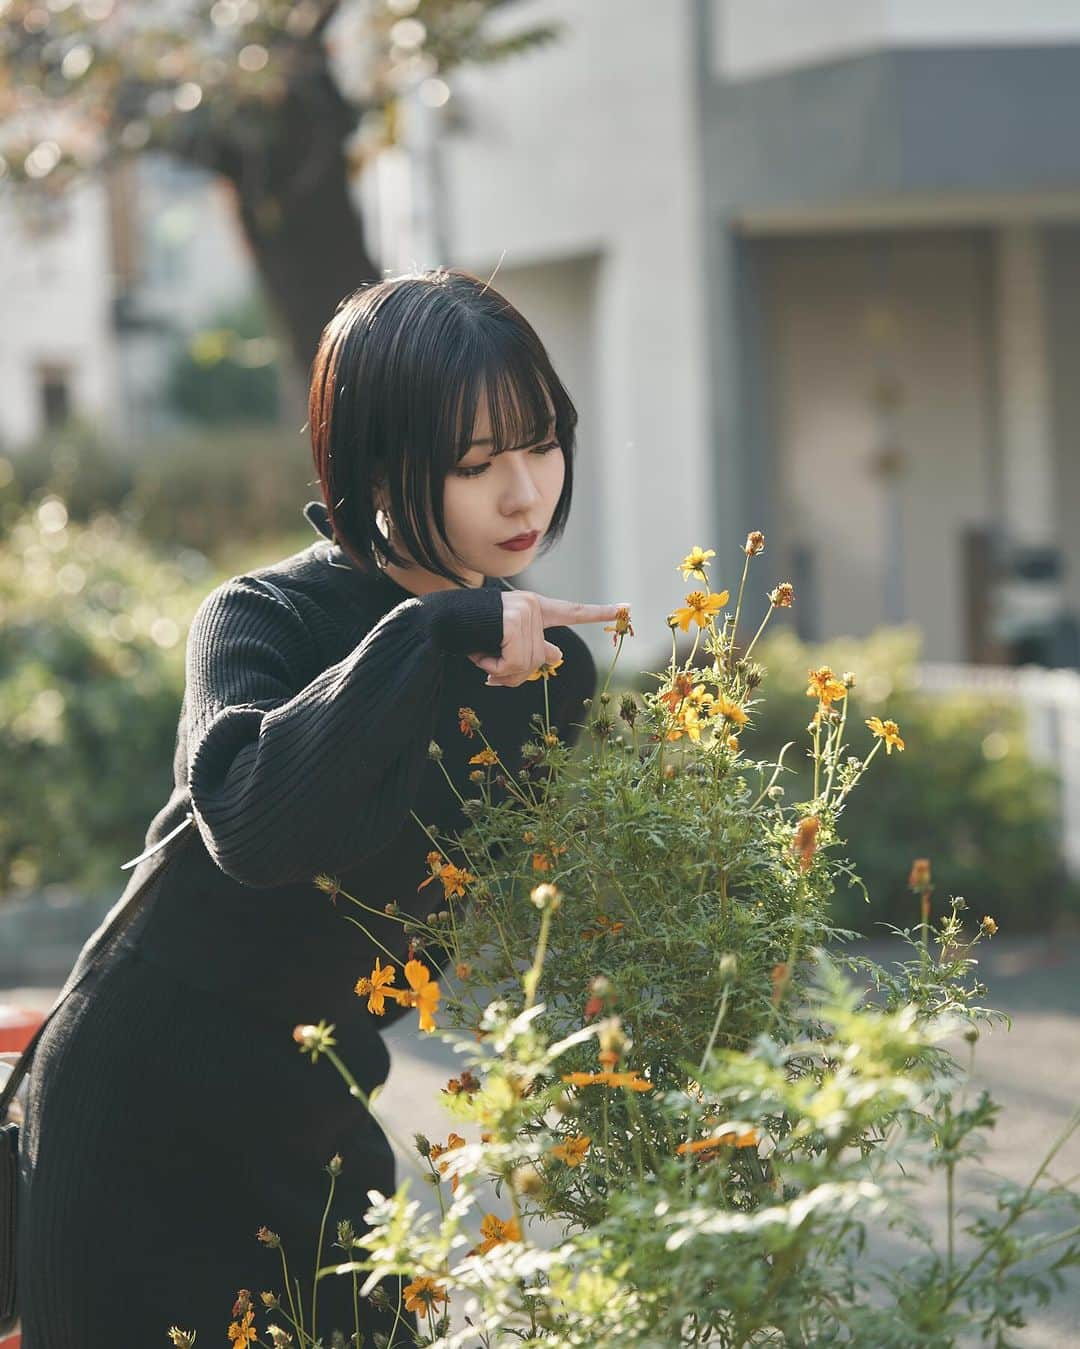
292	769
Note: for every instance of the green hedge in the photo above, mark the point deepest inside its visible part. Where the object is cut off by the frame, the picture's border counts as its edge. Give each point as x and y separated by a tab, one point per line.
965	793
93	623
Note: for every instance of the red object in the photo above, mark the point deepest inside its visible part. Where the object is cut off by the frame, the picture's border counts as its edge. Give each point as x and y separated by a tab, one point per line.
523	541
17	1027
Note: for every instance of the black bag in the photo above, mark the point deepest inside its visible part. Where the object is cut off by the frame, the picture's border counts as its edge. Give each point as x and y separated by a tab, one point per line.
120	916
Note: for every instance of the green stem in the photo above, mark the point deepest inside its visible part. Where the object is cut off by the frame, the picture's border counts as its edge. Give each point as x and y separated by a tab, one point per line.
720	1014
318	1259
532	976
761	629
738	602
836	749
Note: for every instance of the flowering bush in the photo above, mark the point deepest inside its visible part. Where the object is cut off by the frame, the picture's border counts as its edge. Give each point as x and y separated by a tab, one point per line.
672	1072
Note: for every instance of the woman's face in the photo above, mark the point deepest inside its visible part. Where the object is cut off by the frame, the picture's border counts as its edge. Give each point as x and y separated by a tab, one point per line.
491	498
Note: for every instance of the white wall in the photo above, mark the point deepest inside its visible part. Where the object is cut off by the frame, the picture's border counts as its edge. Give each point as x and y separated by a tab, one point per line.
588	148
758	37
56	291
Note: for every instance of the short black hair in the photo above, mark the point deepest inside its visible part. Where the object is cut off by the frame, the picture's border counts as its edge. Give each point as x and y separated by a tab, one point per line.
395	385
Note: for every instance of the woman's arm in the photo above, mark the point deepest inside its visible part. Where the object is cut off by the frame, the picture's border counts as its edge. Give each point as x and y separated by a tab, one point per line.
291	774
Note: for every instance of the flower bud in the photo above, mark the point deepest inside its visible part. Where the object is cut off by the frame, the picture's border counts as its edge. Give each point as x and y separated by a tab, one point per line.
775	793
434	751
334	1165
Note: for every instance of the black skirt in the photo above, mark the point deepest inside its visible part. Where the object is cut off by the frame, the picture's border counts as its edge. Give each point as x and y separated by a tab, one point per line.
166	1125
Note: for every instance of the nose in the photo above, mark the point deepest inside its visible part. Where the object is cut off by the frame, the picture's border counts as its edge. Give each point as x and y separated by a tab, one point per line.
520	494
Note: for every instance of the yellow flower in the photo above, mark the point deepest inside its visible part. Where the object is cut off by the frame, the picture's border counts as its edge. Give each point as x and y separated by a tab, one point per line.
547	669
621	626
376	988
730	1138
422	1294
700	608
494	1232
988	925
572	1151
243	1332
887	731
695	562
825	686
724	706
486	756
425	993
687	722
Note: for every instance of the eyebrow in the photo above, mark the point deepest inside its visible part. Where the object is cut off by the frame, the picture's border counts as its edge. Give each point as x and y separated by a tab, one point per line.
488	440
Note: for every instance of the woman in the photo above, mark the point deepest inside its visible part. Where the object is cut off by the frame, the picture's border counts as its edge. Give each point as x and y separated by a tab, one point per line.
170	1115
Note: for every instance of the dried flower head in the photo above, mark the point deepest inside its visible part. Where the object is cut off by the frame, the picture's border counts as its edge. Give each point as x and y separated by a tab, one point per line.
755	543
825	687
988	925
804	841
783	597
468	721
919	876
622	626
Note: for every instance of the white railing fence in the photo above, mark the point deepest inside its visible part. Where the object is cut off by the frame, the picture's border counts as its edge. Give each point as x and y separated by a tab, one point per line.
1051	701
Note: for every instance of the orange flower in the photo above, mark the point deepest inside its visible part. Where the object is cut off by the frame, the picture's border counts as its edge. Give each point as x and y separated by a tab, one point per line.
780	975
682	687
467	1083
572	1150
486	756
422	1294
454	1141
825	686
494	1232
730	1138
454	879
604	927
243	1332
629	1080
377	989
468	721
887	731
919	876
425	993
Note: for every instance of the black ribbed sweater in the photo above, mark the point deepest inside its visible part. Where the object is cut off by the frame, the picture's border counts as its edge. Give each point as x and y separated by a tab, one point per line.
170	1112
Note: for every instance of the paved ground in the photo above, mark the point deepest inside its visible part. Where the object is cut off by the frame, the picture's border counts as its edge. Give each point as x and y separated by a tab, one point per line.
1033	1071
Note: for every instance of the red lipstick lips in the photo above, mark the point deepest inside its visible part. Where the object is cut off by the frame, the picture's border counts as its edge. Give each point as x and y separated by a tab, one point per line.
521	542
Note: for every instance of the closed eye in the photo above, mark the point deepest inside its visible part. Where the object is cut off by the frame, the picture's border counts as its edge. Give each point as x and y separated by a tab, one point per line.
546	448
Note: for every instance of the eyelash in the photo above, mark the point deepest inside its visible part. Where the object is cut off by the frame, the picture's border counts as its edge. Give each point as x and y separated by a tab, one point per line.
483	468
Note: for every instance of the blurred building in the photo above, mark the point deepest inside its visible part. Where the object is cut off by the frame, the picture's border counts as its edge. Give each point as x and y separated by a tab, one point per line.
100	285
811	268
805	267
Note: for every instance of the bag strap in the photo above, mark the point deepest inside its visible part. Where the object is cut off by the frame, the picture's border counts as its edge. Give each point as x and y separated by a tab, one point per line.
117	921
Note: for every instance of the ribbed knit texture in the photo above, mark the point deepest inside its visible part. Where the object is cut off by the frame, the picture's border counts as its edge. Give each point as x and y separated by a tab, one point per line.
171	1114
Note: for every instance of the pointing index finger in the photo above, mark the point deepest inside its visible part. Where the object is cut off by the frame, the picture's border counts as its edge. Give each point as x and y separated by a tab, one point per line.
565	613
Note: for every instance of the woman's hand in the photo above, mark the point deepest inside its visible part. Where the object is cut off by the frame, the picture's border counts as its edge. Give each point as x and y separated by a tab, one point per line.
525	648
